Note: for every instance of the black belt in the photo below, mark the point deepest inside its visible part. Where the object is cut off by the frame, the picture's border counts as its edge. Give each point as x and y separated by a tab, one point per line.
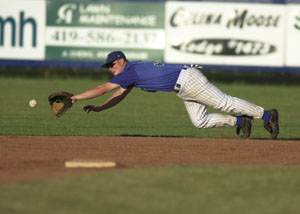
177	87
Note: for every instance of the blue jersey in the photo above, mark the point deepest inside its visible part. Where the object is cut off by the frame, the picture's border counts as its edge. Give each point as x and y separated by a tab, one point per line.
148	76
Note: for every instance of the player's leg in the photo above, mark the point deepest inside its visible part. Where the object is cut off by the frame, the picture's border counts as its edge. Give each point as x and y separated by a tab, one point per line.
193	85
201	119
198	88
213	96
216	98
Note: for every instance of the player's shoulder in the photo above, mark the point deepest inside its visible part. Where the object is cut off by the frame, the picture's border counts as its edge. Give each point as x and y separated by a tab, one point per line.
144	63
134	65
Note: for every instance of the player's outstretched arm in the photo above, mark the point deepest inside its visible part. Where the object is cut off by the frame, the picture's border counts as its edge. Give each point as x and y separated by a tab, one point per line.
95	92
117	97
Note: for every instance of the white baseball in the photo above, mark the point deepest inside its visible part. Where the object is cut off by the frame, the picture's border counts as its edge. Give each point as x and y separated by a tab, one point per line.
32	103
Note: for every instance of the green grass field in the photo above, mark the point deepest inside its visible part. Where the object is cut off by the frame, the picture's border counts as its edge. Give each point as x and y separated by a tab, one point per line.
178	189
141	113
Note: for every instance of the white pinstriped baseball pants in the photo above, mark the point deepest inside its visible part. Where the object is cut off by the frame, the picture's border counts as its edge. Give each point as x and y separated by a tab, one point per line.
198	93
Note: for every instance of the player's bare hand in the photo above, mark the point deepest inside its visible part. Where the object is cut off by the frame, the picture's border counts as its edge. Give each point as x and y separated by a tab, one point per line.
73	99
89	108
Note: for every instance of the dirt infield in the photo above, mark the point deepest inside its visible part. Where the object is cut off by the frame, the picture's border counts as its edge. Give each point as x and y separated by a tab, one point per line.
25	157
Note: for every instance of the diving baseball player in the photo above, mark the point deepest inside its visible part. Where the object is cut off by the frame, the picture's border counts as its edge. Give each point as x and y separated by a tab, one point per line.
196	91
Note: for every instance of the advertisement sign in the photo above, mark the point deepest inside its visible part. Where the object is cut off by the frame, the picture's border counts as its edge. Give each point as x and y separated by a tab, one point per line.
293	35
90	30
225	33
22	28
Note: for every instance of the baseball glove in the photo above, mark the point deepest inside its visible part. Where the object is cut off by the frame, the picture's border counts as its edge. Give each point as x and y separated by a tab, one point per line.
60	102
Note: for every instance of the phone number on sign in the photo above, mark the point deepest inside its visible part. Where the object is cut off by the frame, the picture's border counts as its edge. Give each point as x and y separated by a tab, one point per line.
153	39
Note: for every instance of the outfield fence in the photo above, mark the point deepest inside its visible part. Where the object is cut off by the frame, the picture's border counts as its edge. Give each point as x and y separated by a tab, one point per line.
240	35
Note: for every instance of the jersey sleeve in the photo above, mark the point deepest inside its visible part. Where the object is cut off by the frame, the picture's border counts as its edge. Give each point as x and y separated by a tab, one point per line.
126	78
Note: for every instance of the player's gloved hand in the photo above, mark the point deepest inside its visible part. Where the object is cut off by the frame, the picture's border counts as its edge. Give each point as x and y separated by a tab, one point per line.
60	102
89	108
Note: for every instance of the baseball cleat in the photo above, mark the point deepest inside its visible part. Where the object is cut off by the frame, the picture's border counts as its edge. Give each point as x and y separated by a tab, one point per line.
272	126
245	127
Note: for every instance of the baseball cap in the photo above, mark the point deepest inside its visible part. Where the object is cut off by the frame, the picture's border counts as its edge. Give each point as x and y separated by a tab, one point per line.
112	57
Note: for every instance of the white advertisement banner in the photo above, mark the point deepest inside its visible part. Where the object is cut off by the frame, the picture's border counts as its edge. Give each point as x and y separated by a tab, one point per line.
225	33
293	35
22	28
